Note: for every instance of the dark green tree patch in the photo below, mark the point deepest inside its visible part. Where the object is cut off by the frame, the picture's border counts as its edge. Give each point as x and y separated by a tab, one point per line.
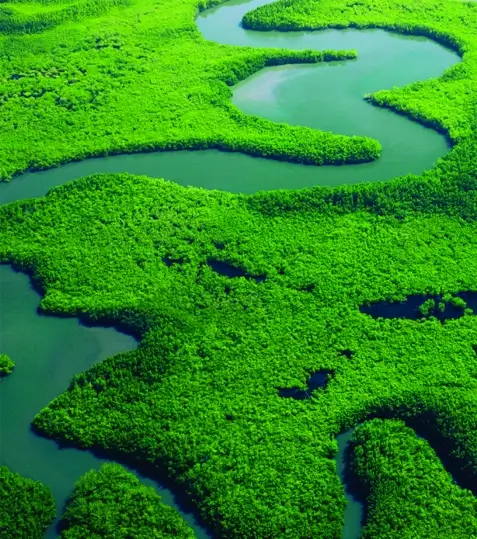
27	507
113	504
408	491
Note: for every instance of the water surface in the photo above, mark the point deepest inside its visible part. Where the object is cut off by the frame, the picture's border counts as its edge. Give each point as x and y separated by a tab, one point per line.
48	351
327	96
409	308
354	511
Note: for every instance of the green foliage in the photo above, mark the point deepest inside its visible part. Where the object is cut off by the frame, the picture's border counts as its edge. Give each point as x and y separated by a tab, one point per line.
27	507
112	503
114	76
449	189
409	493
6	365
427	307
199	397
447	104
458	302
26	18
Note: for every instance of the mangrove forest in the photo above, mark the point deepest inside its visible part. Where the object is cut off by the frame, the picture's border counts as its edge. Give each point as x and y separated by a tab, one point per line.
238	281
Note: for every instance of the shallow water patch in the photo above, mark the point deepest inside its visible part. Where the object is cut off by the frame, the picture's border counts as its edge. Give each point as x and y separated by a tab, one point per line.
424	306
318	379
228	270
168	261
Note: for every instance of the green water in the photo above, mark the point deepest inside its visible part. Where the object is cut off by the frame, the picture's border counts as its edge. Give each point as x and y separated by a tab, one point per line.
354	512
48	351
327	96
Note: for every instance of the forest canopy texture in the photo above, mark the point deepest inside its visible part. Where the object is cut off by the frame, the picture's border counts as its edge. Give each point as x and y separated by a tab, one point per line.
236	297
200	396
27	507
113	504
140	78
408	490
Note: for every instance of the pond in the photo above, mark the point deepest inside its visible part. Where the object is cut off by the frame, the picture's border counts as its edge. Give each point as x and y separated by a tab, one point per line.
423	306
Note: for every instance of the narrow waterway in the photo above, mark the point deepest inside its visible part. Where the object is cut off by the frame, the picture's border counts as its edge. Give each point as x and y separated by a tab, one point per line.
354	512
327	96
48	351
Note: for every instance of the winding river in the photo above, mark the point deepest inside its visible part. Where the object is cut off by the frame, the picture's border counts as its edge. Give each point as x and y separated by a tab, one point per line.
48	351
327	96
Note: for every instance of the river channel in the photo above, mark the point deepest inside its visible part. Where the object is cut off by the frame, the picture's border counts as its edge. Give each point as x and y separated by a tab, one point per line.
326	96
48	351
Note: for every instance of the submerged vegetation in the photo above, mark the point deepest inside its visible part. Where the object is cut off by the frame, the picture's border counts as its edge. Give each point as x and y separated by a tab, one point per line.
27	507
113	504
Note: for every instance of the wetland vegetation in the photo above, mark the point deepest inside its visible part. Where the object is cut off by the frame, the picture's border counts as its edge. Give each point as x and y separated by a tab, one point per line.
420	306
408	490
316	380
214	348
236	297
112	503
27	507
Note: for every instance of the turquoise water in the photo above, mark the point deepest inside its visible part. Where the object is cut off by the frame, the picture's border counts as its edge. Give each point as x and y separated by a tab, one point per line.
329	96
354	512
48	351
326	96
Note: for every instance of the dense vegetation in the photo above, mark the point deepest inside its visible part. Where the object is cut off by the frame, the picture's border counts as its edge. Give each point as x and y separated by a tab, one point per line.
28	17
136	75
27	507
409	493
447	103
200	396
6	365
113	504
